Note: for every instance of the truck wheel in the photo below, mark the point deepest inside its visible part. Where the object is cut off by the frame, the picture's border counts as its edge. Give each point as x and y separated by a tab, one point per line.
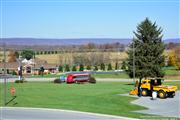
144	92
162	94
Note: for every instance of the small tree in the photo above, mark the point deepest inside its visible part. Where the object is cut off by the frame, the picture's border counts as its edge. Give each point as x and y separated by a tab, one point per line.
13	55
41	52
88	67
49	52
28	54
96	68
116	66
74	68
37	52
67	68
81	67
60	68
172	58
102	66
109	66
124	66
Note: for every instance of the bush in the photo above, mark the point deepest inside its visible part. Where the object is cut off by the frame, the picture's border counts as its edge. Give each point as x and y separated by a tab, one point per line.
74	68
81	67
20	81
14	72
57	80
92	80
67	69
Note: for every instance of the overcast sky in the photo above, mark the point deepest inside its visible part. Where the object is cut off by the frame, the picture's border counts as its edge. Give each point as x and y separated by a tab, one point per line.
86	19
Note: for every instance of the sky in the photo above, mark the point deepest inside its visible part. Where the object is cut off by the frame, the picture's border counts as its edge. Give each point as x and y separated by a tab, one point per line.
86	18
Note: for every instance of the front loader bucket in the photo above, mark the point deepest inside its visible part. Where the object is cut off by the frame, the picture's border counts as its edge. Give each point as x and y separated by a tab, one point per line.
134	92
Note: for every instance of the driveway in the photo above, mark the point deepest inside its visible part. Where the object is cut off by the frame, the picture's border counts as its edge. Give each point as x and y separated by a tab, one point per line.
169	107
12	113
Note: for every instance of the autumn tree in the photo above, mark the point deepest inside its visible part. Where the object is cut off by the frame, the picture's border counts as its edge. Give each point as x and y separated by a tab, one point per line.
13	55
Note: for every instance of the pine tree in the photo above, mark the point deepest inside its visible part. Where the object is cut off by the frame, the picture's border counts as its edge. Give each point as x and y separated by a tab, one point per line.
148	51
109	66
102	66
81	67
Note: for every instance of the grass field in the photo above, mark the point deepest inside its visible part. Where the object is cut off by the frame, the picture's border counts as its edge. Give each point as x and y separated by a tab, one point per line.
98	98
115	75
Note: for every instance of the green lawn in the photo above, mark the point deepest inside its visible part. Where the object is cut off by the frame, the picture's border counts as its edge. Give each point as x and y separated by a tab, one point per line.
171	71
114	75
99	98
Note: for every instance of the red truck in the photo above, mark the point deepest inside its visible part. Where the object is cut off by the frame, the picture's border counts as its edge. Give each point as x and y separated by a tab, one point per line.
78	77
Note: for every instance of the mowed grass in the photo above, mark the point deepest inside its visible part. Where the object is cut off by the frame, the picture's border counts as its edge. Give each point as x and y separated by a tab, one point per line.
98	98
114	75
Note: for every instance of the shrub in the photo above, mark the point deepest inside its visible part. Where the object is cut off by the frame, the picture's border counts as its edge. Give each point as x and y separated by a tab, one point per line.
102	66
96	68
67	69
74	68
60	68
20	81
57	80
109	66
81	67
92	80
88	67
14	72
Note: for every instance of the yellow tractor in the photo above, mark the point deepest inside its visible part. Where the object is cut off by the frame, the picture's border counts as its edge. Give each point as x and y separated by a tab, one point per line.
146	87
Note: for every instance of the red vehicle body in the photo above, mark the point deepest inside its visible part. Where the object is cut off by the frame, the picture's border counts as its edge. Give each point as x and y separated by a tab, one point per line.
75	78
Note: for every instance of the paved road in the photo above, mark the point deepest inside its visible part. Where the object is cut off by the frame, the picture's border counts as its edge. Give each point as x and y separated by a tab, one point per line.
49	114
169	107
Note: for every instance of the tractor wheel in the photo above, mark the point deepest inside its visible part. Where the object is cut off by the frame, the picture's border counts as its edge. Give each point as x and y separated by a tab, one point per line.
144	92
162	94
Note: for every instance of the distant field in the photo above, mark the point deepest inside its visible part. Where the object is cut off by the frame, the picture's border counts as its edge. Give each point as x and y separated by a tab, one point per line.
58	58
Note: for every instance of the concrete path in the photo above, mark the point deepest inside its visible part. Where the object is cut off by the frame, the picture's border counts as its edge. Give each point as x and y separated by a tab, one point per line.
169	107
12	113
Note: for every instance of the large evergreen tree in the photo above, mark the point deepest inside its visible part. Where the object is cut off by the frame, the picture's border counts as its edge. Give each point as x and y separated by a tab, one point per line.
148	51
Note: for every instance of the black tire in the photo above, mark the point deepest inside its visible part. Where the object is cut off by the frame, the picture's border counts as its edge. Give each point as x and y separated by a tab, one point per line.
144	92
171	95
162	94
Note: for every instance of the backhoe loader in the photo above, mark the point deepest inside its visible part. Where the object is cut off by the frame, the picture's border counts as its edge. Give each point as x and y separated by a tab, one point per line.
147	86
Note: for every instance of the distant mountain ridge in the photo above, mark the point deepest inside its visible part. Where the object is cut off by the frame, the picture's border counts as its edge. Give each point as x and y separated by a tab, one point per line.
71	41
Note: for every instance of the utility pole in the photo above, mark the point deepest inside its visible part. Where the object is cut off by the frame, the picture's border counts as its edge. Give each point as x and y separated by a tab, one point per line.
5	73
133	63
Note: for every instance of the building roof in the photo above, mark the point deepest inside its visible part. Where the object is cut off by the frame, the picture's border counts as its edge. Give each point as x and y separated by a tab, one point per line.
37	65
